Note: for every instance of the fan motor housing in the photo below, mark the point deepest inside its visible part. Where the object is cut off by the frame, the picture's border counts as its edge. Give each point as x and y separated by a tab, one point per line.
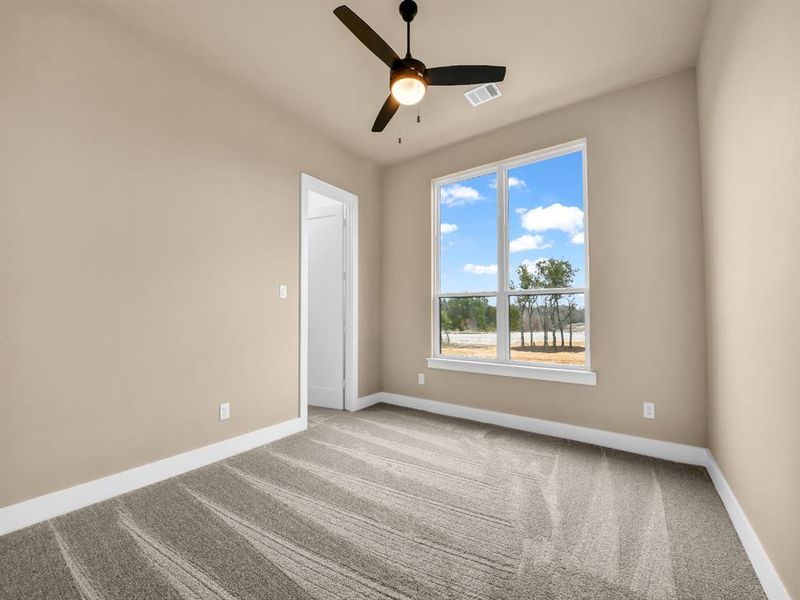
408	67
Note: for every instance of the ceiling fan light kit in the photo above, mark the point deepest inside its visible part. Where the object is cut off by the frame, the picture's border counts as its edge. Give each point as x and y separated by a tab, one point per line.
409	78
407	85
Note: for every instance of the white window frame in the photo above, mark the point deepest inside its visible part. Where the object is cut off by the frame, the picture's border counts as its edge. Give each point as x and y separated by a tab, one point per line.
502	364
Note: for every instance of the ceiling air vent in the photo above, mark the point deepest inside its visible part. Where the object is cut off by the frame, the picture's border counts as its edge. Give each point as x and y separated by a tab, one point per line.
483	94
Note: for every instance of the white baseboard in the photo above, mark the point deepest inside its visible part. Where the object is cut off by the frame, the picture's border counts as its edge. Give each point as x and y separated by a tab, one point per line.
691	455
58	503
366	401
682	453
767	575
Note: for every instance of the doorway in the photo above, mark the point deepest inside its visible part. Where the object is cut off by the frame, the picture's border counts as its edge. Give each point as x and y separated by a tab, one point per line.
328	296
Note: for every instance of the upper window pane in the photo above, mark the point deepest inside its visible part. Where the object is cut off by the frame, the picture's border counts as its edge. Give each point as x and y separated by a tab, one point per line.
468	226
546	223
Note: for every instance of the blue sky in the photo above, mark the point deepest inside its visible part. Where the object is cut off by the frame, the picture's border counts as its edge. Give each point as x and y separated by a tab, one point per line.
545	221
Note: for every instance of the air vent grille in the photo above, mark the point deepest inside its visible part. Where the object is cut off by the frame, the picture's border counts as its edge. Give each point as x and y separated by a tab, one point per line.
483	94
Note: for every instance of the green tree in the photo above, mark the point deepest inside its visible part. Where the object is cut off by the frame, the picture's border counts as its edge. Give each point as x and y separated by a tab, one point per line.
555	273
540	304
516	312
515	319
445	326
490	315
571	309
468	312
477	312
527	282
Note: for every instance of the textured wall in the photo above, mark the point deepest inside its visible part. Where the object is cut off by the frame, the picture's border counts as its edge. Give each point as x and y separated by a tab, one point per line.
749	104
150	209
648	328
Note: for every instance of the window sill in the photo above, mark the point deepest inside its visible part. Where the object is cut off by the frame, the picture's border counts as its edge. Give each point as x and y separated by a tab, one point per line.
511	370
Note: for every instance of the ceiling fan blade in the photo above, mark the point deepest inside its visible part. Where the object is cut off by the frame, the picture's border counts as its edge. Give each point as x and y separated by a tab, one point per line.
465	75
385	115
367	36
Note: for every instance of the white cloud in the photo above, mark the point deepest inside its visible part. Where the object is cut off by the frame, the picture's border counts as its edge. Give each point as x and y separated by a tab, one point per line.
480	269
446	228
528	242
531	264
459	195
577	238
568	219
520	211
513	182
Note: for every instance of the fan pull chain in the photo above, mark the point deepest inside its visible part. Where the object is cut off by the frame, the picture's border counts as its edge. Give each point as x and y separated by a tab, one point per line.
399	133
418	119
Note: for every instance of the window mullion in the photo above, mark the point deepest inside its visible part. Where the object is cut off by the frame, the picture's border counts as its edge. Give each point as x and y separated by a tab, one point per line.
435	283
502	265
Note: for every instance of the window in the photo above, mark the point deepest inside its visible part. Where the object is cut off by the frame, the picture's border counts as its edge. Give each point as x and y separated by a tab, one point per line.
510	261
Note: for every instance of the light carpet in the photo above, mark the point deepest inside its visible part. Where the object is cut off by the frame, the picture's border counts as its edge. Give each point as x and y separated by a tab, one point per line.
398	504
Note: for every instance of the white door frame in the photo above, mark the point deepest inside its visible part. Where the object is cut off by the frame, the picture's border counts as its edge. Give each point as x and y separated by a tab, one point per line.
350	202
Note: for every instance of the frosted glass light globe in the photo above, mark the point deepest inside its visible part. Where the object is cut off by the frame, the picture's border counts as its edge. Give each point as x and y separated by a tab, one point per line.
408	90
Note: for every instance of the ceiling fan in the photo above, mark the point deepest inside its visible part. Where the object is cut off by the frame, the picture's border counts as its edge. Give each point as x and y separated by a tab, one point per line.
409	77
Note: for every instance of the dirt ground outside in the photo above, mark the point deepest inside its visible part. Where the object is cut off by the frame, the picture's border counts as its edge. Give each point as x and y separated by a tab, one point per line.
484	345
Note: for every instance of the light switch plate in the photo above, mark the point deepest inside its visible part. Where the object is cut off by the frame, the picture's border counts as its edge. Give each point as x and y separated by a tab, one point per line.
421	379
224	411
283	291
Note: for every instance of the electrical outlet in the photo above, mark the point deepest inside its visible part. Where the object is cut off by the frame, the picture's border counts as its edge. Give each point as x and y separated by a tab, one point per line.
224	411
649	410
283	291
421	379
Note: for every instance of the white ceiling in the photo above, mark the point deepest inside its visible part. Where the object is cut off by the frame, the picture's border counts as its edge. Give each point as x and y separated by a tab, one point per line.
299	56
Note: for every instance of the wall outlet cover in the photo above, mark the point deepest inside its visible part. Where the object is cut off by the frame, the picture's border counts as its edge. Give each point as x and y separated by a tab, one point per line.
421	378
649	410
224	411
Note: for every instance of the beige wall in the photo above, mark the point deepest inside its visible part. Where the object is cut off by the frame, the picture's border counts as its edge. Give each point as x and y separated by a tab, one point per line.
749	103
149	211
648	340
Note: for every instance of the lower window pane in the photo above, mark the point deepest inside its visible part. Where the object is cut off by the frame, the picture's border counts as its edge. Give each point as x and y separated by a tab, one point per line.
468	327
548	328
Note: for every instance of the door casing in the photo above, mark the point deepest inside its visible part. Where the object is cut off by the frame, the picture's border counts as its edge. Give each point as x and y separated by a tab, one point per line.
309	183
